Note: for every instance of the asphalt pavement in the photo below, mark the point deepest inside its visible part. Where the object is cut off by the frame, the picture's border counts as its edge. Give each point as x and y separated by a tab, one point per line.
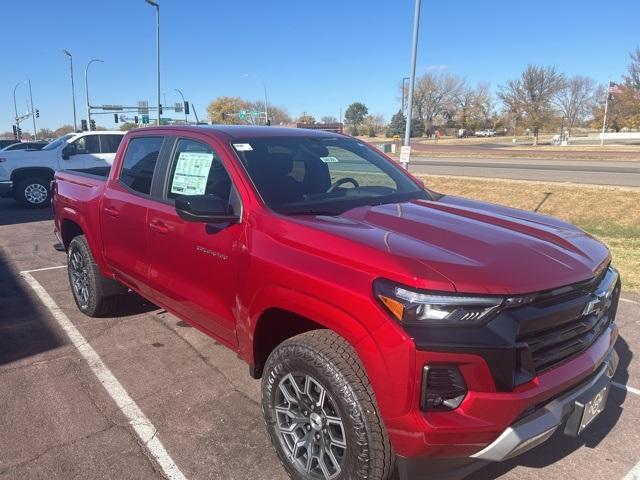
60	420
597	172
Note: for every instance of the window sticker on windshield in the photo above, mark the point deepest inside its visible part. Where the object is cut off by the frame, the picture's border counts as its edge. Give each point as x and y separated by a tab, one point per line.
242	147
329	159
192	172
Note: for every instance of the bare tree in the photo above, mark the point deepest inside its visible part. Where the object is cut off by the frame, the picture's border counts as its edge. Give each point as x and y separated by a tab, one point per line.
633	78
434	97
474	106
328	119
576	100
531	96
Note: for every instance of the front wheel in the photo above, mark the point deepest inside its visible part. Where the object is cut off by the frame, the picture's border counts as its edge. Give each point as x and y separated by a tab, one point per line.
320	411
33	192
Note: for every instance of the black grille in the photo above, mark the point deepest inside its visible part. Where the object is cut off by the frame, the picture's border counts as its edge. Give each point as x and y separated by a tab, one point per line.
567	324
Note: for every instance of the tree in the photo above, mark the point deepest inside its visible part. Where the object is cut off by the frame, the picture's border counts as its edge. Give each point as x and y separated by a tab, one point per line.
328	119
398	124
126	126
6	135
306	118
63	130
434	98
531	96
45	133
277	115
225	110
576	100
632	80
474	107
355	113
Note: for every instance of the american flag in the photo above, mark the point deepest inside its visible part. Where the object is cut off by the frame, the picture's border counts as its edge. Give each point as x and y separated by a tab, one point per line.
614	88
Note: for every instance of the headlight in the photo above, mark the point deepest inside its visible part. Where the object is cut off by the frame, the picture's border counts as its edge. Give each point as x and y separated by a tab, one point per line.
413	307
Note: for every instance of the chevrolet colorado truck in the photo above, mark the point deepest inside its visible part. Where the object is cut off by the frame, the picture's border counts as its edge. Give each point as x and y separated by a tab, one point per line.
26	175
395	329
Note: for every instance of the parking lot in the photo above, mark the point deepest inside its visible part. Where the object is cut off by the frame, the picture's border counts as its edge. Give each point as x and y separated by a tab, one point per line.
143	395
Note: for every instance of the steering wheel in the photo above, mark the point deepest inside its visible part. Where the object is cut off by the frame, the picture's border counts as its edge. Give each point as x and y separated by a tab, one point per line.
342	181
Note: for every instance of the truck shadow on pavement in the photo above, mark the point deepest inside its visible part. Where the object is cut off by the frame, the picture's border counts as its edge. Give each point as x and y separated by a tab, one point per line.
12	213
559	445
24	328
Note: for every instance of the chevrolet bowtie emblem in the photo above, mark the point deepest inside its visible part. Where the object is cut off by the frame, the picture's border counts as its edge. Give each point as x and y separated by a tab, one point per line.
597	303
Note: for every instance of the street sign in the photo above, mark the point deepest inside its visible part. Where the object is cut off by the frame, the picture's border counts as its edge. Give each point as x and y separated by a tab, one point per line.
178	106
143	107
405	154
145	119
242	114
118	108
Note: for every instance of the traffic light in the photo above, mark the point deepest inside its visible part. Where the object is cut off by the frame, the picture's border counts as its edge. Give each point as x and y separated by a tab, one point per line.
37	113
83	125
160	109
115	118
186	108
15	132
19	130
93	125
135	119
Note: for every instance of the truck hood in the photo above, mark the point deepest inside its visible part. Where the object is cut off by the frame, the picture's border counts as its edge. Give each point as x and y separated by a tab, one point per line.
478	247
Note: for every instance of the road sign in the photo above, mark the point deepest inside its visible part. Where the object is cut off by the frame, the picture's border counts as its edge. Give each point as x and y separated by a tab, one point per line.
405	154
118	108
242	114
143	107
178	106
145	119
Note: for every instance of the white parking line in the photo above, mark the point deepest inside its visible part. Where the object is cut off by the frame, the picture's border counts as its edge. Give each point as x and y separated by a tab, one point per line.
43	269
626	387
143	427
634	473
626	300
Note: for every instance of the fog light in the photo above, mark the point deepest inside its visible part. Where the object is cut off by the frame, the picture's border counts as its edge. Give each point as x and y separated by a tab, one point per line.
443	388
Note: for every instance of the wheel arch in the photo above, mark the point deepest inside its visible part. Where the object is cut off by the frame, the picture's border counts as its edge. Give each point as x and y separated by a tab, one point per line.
19	174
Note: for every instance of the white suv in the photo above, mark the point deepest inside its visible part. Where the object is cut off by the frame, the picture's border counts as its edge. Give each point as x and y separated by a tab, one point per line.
26	175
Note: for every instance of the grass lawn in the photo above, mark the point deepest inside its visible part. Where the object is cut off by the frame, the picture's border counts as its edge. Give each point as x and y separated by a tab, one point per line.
610	213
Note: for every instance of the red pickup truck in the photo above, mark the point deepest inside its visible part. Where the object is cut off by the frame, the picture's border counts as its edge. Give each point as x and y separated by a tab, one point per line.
394	328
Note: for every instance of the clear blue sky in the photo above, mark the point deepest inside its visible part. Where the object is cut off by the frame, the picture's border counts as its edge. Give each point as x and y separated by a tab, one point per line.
315	56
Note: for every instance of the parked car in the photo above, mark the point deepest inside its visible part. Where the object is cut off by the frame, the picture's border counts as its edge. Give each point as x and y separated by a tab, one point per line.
5	143
486	133
24	146
26	175
390	324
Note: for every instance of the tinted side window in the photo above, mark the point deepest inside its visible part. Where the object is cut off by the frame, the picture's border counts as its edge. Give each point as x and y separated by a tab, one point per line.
139	163
88	144
197	170
109	143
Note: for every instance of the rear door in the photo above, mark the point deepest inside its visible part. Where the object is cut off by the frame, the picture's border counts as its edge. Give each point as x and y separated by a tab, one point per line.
109	143
195	267
123	211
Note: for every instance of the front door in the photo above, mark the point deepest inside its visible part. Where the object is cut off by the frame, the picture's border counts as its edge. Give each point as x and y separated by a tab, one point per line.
195	267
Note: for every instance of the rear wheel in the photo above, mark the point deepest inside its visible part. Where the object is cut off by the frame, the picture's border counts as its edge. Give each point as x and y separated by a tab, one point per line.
94	294
320	412
33	192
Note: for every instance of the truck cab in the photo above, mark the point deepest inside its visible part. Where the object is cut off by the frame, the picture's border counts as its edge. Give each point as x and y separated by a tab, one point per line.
26	175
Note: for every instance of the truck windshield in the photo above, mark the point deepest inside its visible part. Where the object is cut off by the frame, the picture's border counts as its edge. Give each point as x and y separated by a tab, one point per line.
58	141
315	175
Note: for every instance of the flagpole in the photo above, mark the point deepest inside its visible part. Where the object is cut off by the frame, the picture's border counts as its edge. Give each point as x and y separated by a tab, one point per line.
604	120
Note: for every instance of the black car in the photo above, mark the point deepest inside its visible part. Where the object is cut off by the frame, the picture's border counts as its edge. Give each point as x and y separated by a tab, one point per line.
6	143
23	146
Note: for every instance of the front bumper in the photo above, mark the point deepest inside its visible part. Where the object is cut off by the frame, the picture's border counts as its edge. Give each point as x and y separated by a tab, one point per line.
538	426
5	188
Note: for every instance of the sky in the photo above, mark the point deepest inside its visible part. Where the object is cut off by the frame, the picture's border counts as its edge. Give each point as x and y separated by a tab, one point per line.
314	56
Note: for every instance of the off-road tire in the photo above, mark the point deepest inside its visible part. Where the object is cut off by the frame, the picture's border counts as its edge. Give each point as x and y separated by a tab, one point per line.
333	363
102	294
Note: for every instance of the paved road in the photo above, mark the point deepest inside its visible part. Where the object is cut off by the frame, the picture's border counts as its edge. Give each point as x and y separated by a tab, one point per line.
58	422
604	172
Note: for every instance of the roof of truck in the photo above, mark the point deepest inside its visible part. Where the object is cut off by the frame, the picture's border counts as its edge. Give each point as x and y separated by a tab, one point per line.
244	131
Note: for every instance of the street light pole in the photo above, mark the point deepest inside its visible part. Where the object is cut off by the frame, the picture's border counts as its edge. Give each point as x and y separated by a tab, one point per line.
73	90
412	78
186	122
266	101
33	113
15	106
153	3
86	90
403	89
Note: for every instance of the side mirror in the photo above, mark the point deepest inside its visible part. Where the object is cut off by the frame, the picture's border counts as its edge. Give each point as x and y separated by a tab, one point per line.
204	208
68	151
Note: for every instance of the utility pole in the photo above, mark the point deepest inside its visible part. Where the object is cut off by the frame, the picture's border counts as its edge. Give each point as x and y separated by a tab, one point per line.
153	3
412	78
33	113
606	108
15	107
86	90
73	90
266	101
403	95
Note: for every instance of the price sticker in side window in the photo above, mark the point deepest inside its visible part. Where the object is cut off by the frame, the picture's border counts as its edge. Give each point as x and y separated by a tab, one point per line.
192	172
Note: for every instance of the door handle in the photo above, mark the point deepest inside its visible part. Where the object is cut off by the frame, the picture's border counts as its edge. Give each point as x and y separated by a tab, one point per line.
159	226
114	212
